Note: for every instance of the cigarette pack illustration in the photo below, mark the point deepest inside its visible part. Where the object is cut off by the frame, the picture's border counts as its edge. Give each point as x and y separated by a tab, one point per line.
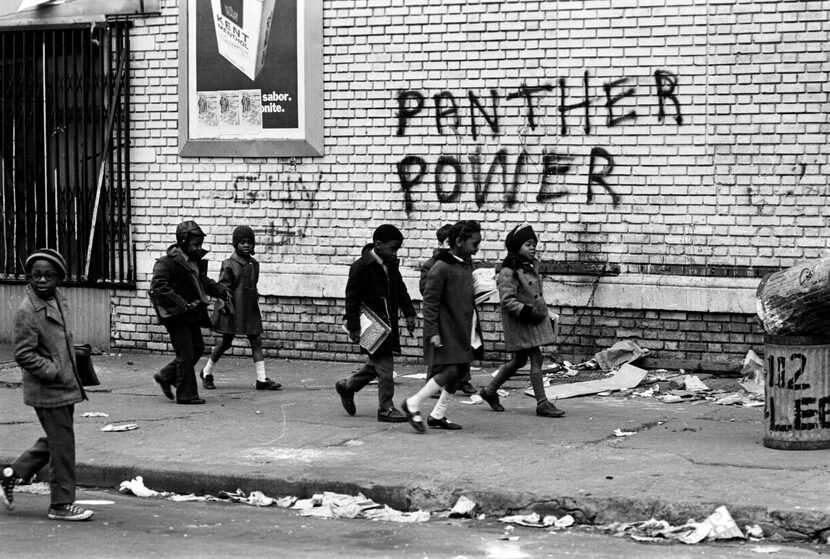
242	29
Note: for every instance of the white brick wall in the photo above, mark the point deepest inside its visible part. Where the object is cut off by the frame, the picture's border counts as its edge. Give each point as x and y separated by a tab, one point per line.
740	182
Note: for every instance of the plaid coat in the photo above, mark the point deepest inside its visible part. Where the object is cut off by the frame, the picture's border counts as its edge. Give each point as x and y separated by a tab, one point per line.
44	350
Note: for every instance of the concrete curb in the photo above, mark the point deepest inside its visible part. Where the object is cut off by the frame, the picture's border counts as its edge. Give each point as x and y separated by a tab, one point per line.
590	510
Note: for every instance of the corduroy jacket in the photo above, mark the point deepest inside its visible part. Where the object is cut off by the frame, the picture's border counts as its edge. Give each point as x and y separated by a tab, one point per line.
44	350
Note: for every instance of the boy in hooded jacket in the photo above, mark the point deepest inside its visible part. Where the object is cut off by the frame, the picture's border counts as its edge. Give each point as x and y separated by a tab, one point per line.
180	291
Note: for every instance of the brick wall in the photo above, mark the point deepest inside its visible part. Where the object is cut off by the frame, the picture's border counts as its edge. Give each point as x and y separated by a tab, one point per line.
704	147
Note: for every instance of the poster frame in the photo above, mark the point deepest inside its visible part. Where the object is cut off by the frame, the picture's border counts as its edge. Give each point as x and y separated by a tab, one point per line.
310	142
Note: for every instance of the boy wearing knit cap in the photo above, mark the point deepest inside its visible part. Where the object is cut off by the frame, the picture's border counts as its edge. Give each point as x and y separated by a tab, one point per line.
179	291
525	319
44	350
375	281
240	316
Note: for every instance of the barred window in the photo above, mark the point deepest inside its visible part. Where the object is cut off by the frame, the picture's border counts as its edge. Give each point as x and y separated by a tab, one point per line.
64	150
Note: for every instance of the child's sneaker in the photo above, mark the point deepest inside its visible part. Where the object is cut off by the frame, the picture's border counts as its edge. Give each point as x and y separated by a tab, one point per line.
207	380
7	482
72	513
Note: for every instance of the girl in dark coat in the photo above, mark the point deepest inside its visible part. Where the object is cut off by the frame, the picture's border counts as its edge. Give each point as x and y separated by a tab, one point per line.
524	316
241	315
452	336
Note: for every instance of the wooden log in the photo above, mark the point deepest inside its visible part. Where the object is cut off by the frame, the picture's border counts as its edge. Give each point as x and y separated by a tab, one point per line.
796	301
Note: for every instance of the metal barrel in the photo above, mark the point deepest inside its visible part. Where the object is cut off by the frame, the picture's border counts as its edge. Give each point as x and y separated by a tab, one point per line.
797	392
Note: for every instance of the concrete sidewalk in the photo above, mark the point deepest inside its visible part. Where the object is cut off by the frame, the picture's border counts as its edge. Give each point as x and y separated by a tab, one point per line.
683	462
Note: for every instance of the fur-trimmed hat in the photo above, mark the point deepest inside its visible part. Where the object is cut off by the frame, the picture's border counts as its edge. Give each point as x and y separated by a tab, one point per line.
187	229
243	232
387	232
517	237
51	256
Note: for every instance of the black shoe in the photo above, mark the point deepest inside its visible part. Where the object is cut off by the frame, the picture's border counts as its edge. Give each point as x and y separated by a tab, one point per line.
207	380
414	418
165	387
467	388
8	479
267	384
492	399
392	415
549	410
193	402
442	423
346	397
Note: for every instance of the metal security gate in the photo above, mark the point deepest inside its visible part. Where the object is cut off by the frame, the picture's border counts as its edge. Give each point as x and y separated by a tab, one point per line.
64	150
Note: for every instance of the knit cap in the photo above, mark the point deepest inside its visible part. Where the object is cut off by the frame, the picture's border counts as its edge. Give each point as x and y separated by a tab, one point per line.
517	237
243	232
51	256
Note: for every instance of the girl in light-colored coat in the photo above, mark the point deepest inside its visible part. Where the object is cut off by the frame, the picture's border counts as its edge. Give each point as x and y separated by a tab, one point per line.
525	319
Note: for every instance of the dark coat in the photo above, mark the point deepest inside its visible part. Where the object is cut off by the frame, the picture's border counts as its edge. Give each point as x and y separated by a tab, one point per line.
175	284
426	267
386	295
44	350
448	311
240	276
524	313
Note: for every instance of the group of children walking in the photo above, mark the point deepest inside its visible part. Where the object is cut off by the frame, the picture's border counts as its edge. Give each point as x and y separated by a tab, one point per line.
452	330
180	289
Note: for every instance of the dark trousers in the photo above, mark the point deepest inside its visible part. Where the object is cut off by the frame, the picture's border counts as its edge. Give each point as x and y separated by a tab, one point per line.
379	366
186	337
57	449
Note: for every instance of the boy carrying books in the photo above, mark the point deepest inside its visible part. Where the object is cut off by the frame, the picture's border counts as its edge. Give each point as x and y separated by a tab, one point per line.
376	283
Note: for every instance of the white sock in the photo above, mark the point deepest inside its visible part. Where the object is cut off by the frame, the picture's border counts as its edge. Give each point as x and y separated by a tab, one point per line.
440	409
260	370
414	402
208	370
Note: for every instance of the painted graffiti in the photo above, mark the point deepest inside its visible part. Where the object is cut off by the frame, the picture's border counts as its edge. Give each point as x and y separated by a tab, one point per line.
484	114
791	407
292	195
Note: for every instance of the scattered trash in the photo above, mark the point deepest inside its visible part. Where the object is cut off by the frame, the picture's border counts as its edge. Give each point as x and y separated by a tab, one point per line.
692	383
419	376
717	526
336	505
463	508
532	520
754	374
628	376
37	488
620	353
325	505
472	400
95	414
621	433
136	487
112	428
353	442
564	522
255	498
754	531
765	549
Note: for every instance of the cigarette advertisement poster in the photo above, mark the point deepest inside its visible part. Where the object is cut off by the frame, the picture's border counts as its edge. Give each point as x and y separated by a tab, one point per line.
249	66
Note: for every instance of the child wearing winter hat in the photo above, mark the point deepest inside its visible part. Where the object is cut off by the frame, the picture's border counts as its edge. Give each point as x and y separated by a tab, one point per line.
44	350
241	315
525	319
